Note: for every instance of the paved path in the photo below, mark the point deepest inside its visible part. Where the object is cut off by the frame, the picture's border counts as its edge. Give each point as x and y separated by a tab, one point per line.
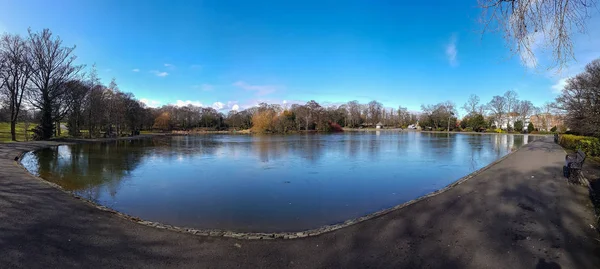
518	214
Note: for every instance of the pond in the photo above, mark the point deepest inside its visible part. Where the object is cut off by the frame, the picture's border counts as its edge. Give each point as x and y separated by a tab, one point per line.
266	183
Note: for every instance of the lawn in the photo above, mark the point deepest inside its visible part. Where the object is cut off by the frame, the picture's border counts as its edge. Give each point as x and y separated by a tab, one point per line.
5	131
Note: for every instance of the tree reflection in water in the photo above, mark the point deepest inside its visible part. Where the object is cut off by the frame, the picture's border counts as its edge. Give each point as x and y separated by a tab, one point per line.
266	183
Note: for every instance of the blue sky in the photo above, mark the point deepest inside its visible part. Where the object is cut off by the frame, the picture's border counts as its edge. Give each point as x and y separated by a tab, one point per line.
227	53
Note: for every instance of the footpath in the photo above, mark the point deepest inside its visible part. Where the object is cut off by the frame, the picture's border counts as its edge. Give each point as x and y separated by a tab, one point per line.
519	213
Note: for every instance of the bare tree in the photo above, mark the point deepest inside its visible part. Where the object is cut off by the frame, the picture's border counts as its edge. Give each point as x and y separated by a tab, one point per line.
354	113
498	108
15	72
403	116
374	111
53	65
524	110
528	23
77	93
472	105
511	105
580	100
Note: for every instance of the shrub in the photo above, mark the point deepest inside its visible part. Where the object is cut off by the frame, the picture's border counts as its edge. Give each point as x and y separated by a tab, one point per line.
38	133
530	127
498	130
519	126
589	145
553	129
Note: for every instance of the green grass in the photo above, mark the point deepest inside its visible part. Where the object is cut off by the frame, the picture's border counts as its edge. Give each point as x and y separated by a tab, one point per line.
20	130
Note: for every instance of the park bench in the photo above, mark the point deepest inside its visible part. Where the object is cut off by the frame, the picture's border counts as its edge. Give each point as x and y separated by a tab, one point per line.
573	165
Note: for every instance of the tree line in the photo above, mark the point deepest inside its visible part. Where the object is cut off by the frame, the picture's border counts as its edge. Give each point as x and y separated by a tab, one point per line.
505	112
580	101
40	81
275	118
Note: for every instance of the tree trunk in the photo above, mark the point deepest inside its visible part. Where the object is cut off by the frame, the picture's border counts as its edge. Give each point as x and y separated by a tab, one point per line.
13	132
47	124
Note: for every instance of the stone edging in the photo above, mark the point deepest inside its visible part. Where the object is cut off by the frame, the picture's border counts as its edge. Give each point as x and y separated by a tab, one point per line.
251	235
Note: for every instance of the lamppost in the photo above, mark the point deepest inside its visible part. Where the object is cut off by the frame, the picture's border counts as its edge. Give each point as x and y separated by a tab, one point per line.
451	114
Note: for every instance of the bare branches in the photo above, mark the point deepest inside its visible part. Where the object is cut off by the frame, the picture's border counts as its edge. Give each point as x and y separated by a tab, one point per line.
472	105
580	99
532	25
53	66
15	74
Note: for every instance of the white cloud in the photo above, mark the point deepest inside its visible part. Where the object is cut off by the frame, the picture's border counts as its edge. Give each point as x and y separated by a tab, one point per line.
259	89
283	103
181	103
135	70
218	105
559	85
150	103
452	51
196	66
159	74
235	107
169	66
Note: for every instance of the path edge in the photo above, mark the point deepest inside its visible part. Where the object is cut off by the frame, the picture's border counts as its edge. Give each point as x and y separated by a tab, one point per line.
253	235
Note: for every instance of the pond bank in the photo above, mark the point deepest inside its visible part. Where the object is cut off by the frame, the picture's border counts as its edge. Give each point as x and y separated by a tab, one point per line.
507	215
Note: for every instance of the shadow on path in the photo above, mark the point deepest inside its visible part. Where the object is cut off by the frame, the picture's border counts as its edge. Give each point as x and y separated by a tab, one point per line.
519	213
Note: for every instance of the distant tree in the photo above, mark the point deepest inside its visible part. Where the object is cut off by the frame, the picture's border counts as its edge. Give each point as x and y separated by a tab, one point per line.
498	107
530	127
528	24
374	109
440	115
477	122
76	93
52	66
15	73
519	126
464	123
354	113
163	122
472	105
264	120
512	104
524	109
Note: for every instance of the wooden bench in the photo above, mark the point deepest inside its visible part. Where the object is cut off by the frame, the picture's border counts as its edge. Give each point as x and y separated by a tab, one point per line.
574	163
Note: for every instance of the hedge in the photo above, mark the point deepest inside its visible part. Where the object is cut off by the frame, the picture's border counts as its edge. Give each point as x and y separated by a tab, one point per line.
589	145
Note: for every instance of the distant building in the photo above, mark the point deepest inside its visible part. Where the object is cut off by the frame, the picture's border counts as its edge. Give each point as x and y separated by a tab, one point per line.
509	120
379	125
545	121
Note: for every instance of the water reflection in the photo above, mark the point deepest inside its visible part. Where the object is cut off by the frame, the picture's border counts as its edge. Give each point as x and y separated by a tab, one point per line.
266	183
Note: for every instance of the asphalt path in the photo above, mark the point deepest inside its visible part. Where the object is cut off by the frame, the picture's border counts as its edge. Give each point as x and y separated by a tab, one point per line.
519	213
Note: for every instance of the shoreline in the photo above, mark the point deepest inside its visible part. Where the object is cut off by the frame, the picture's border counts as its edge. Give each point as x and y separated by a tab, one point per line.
233	234
515	213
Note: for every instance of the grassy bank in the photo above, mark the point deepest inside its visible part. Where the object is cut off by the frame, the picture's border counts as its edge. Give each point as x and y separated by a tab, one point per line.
20	131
